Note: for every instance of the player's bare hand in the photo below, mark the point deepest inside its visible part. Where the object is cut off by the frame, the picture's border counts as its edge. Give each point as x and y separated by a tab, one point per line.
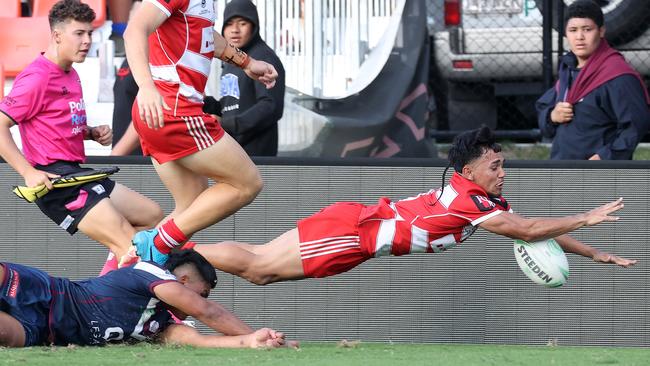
604	257
602	213
266	338
102	134
35	177
262	71
150	107
595	157
562	113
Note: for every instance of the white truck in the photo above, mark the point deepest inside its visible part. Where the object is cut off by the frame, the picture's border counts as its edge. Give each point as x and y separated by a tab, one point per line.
488	56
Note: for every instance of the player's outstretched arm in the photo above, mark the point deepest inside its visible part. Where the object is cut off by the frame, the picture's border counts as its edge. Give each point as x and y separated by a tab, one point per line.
535	229
572	245
258	70
210	313
184	335
144	22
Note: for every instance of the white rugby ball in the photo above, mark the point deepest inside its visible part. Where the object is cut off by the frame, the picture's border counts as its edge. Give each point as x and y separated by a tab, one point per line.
544	262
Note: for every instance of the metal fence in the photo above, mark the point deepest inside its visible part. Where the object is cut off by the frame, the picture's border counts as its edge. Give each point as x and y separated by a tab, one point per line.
488	56
323	43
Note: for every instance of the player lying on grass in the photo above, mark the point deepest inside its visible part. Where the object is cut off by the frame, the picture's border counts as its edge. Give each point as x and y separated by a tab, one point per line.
131	304
345	234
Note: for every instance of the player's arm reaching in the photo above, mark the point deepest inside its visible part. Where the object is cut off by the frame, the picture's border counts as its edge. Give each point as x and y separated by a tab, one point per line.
210	313
188	336
535	229
258	70
237	333
572	245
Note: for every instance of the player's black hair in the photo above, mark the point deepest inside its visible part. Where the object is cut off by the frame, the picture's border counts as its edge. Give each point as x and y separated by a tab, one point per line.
584	9
465	148
179	257
470	145
66	10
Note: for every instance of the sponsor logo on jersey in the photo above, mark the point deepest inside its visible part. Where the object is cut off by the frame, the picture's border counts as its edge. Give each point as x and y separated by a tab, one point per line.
207	40
8	101
229	86
500	201
483	203
14	280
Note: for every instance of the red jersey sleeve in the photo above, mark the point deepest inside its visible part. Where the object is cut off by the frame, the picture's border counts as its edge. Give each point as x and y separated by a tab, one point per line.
476	208
169	6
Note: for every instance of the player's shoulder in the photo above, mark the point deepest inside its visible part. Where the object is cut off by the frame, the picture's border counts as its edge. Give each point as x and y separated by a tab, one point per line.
38	70
153	269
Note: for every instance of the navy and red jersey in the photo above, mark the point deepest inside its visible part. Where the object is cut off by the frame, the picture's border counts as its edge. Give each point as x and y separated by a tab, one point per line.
120	306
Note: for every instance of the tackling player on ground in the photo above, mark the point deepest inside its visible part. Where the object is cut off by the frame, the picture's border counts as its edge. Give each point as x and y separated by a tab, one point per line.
170	45
344	235
131	304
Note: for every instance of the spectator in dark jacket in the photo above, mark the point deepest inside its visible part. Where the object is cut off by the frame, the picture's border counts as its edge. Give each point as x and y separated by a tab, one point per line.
249	112
599	107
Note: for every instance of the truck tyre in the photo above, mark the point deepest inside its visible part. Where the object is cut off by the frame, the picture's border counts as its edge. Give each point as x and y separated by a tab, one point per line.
625	19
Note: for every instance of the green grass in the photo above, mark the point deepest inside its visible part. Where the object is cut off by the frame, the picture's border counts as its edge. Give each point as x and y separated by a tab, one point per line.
329	354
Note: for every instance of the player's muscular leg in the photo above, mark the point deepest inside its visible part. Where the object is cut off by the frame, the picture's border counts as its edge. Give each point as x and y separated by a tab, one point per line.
105	224
237	183
277	260
184	184
141	212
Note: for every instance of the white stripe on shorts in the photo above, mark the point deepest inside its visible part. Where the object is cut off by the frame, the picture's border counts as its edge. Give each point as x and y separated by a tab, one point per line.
316	248
199	132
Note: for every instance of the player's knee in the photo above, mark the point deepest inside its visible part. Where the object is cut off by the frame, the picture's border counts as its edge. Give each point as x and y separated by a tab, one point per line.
258	273
252	189
154	216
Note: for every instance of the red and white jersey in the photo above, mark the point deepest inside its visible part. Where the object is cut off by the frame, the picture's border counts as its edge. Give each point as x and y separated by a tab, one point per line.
420	224
180	53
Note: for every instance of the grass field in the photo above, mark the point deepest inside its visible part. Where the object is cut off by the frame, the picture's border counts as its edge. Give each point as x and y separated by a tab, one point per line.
329	354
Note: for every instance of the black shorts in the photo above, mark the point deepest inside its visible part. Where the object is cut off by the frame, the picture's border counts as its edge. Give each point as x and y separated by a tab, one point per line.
67	206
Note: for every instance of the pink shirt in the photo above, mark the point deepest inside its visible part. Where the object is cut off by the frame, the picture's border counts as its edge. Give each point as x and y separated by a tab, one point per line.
47	104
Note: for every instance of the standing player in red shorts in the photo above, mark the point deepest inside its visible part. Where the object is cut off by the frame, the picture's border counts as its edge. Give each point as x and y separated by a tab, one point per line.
170	45
344	235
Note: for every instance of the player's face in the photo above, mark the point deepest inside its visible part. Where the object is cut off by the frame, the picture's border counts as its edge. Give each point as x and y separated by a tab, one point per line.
238	31
584	37
73	40
487	171
195	283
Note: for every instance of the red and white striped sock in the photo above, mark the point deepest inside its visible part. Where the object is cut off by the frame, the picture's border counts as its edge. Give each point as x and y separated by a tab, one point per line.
169	237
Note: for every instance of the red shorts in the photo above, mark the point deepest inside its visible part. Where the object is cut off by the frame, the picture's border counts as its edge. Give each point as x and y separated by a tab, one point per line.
181	136
329	240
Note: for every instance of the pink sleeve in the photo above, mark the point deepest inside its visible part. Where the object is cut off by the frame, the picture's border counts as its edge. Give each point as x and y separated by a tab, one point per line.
25	99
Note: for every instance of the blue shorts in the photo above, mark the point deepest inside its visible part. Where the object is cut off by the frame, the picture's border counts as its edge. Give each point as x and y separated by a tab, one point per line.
25	295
